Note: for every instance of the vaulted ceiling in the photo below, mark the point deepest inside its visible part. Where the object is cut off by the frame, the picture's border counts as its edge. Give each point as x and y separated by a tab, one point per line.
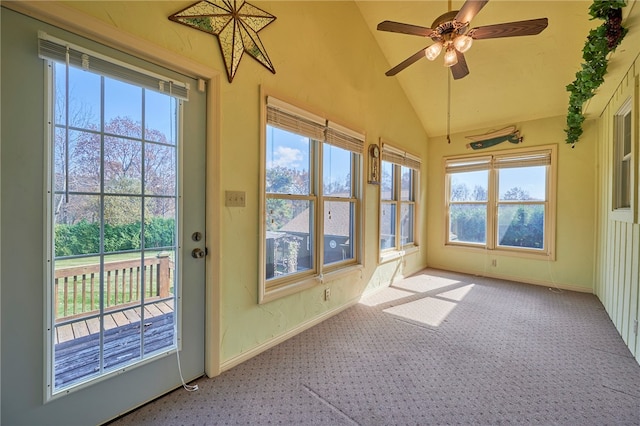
511	79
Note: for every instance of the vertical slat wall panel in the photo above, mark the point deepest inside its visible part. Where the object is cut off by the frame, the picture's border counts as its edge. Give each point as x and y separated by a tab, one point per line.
608	275
627	236
635	291
618	277
603	262
617	268
633	312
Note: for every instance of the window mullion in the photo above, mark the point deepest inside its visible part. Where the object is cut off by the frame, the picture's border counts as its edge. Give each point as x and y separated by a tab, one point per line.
102	200
354	174
318	150
395	228
414	201
447	208
396	203
492	209
397	181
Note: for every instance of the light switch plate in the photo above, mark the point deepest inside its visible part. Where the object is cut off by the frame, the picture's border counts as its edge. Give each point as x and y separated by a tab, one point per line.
234	198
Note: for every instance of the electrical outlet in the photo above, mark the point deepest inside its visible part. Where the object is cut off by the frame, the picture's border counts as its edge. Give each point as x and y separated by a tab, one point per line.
234	198
327	294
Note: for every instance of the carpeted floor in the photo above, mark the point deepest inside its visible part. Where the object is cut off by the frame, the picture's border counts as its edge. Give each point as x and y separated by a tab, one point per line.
438	348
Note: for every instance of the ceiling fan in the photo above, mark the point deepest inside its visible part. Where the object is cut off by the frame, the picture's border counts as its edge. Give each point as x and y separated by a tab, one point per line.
450	32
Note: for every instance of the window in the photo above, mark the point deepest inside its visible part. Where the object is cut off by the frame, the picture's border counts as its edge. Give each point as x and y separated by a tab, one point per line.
113	168
502	201
398	193
623	164
312	182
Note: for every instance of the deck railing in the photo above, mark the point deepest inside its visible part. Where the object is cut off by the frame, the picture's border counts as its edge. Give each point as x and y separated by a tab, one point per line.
77	289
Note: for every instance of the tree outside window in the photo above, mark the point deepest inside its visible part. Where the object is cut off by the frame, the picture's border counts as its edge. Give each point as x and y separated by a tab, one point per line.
502	201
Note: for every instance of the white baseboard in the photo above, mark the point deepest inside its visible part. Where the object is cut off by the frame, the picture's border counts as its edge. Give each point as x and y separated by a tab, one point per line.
237	360
525	280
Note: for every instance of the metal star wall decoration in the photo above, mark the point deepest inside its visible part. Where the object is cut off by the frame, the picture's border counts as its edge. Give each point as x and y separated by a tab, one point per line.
235	23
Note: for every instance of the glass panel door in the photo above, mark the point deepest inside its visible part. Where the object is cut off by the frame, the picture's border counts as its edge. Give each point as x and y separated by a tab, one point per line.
29	200
115	200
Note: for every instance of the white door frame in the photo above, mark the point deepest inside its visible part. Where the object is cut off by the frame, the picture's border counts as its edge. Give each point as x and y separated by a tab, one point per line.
75	21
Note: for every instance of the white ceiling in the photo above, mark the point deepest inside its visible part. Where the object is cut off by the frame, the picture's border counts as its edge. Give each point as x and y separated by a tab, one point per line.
511	79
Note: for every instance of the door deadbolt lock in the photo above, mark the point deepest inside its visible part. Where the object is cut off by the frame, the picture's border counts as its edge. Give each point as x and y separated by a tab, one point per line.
196	236
198	253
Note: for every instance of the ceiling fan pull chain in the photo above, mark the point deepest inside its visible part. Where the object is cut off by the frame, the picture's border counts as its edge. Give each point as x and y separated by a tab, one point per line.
448	108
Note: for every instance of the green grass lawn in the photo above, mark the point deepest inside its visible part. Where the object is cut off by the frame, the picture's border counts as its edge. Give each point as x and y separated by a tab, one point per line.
81	261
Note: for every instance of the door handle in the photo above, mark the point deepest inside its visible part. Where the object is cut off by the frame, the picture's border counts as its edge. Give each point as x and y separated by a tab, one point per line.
198	253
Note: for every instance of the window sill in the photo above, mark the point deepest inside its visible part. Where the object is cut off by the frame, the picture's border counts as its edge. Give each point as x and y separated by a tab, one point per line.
308	282
339	273
392	255
287	289
501	251
622	215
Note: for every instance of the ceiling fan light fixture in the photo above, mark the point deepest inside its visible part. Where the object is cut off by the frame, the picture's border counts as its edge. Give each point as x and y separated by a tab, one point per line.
451	32
462	43
433	51
450	57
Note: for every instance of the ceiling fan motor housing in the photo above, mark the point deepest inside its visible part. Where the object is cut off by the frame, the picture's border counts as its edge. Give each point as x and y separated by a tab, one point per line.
445	27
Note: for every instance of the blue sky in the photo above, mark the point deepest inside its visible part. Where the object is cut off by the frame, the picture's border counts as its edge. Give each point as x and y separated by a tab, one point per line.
530	179
286	149
121	99
289	150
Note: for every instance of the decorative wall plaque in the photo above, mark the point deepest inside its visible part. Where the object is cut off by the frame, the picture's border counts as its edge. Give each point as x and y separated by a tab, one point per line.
235	23
374	164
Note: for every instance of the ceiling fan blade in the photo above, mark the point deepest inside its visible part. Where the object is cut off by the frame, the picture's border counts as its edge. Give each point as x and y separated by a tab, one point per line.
399	27
402	65
509	29
469	9
460	69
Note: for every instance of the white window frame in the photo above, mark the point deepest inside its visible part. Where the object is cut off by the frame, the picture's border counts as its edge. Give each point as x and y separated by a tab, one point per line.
492	163
332	134
624	132
400	159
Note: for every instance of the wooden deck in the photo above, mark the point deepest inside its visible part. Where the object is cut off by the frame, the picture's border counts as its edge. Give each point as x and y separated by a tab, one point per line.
78	358
82	328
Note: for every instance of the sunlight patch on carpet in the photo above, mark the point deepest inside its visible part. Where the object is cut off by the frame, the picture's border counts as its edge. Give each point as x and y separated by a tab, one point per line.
429	311
457	294
385	296
424	283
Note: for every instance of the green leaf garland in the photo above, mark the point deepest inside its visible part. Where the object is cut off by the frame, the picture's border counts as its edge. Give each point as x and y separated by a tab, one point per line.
600	42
